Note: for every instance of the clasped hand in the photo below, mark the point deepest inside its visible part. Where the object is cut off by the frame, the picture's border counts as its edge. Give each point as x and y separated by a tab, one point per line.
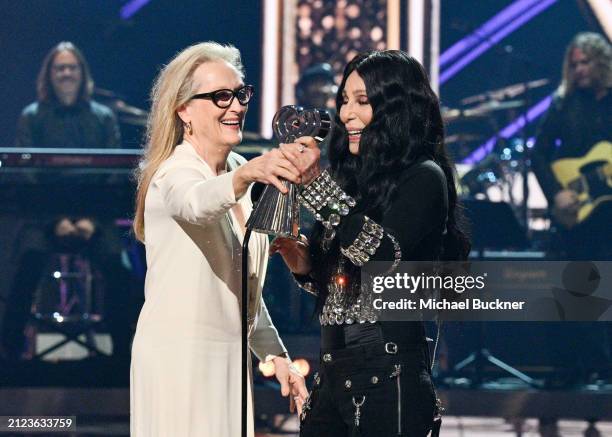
292	383
296	162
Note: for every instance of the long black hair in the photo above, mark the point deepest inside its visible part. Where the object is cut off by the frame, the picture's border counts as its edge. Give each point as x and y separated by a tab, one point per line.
406	126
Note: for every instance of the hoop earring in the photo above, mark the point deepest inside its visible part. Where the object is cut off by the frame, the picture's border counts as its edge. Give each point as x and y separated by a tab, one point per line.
188	127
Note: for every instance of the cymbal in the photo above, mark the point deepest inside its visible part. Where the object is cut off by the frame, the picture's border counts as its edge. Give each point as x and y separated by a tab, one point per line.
121	107
451	115
507	92
117	104
132	120
492	106
462	138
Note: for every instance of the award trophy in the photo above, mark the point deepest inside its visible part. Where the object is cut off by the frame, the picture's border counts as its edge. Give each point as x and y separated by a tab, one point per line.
276	213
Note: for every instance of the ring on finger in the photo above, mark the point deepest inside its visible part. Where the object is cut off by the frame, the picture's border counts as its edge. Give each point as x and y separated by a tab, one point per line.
301	148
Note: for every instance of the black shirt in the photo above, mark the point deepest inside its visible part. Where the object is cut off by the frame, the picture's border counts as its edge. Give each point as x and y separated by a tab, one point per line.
416	217
572	125
83	125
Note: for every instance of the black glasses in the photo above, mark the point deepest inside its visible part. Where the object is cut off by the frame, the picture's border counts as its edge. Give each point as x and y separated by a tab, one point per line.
224	98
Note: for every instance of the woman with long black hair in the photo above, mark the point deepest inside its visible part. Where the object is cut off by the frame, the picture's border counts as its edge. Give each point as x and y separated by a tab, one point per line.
389	195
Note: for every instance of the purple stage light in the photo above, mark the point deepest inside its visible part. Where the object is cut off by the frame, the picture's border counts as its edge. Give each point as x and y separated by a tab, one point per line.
131	7
504	16
517	124
495	38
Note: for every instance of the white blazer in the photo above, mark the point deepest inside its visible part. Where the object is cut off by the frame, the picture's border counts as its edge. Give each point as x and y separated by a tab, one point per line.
186	356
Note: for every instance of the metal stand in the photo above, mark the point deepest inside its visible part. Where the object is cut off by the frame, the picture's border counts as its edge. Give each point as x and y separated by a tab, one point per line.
245	329
482	357
275	213
75	311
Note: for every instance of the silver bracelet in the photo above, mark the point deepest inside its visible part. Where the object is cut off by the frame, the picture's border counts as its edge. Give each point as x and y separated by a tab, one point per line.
325	192
367	243
397	253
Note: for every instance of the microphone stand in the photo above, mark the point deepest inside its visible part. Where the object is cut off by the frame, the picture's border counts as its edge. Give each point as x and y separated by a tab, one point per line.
261	221
245	330
275	214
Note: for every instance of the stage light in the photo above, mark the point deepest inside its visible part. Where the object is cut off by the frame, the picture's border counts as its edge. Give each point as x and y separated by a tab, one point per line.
483	32
130	8
603	11
271	58
494	39
416	12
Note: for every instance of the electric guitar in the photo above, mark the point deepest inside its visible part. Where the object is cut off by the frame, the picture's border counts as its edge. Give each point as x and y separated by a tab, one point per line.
590	176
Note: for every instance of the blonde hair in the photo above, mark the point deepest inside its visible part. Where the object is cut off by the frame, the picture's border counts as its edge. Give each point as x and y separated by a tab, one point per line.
599	50
173	88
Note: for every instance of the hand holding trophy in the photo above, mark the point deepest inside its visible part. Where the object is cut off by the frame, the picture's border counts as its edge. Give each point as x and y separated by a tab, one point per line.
276	213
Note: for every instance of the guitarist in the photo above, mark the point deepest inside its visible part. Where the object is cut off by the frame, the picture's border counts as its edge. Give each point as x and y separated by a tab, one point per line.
579	118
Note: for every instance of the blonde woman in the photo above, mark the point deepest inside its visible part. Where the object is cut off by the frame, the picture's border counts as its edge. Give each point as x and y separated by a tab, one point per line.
192	202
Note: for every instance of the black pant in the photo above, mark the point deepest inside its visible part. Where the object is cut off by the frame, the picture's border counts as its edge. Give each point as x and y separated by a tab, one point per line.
365	391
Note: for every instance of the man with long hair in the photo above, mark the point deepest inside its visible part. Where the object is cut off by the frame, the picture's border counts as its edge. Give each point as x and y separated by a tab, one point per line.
64	114
580	118
578	121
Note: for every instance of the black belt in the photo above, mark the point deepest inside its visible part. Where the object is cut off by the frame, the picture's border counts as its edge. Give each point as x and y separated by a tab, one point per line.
367	334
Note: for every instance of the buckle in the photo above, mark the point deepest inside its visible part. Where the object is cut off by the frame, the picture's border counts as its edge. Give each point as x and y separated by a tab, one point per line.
391	348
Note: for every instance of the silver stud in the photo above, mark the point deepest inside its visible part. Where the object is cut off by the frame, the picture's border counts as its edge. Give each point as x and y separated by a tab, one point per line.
374	380
327	358
334	219
348	383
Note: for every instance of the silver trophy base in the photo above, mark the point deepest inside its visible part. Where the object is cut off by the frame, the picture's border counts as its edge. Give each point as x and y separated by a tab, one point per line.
276	213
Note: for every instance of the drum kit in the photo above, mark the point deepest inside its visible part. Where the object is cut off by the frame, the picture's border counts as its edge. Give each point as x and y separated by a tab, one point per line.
499	175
